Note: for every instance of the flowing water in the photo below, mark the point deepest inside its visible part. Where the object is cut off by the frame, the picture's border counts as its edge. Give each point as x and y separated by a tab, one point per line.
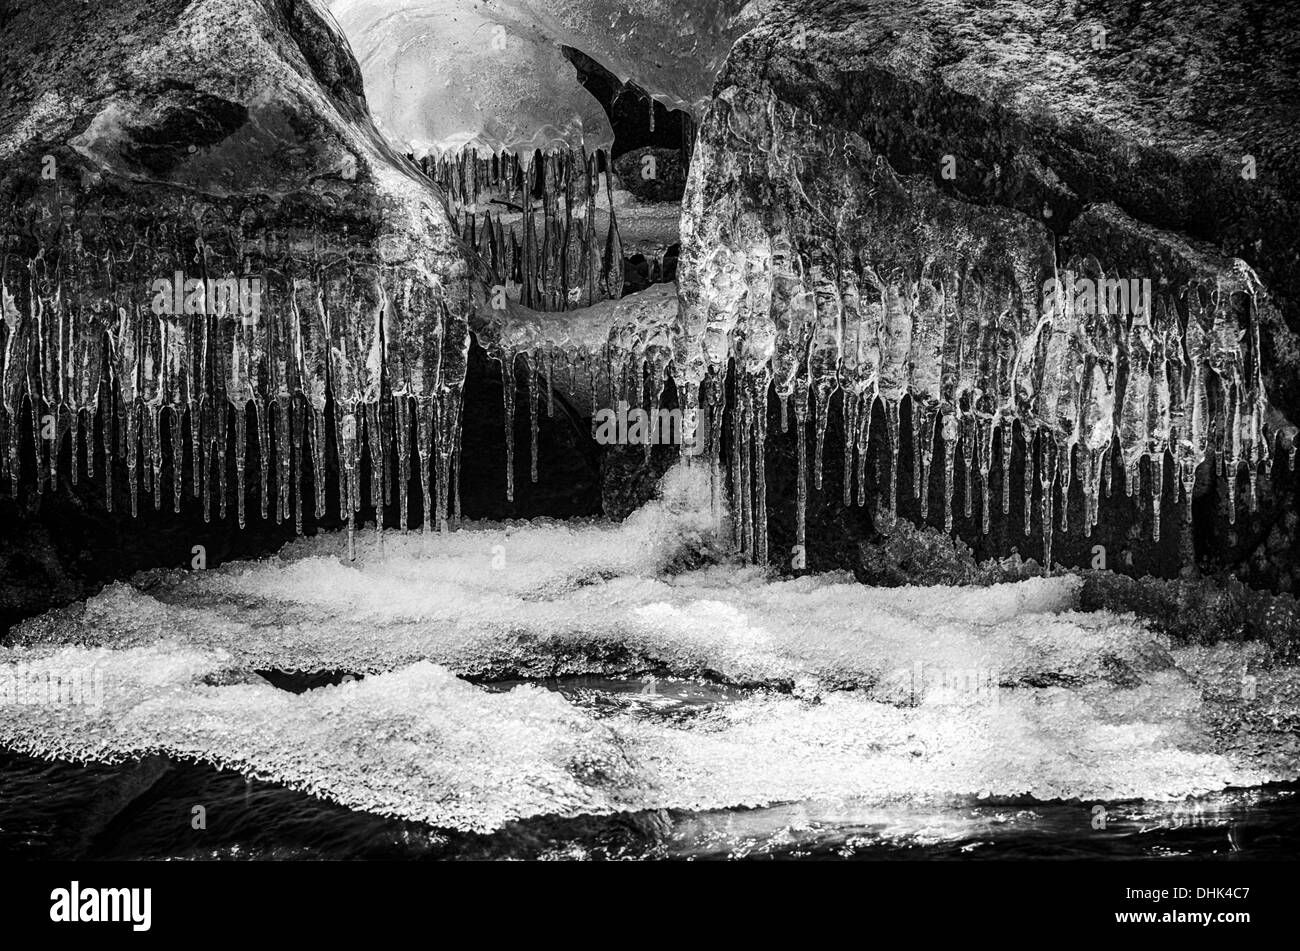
588	690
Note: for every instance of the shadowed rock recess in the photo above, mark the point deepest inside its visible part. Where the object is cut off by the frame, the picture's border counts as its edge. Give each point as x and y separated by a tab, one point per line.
1022	271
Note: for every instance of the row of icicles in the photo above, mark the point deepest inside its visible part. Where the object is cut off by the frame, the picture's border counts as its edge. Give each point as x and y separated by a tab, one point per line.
300	429
533	223
1049	461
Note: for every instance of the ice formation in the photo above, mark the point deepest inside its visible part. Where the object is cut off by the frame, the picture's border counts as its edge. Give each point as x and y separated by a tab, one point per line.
809	269
445	74
851	693
813	268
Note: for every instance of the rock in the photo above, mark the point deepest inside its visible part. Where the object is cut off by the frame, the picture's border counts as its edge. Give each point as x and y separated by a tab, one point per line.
225	140
888	162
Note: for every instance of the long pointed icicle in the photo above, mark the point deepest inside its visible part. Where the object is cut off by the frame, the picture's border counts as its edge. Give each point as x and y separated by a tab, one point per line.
893	428
1027	467
1007	433
402	420
820	408
866	406
849	413
762	383
801	486
949	437
532	367
508	400
425	423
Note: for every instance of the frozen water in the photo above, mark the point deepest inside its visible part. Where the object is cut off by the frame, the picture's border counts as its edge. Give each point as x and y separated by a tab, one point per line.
898	694
443	75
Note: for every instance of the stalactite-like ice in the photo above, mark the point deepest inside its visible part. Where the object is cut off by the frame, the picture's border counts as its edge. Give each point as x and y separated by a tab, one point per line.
969	316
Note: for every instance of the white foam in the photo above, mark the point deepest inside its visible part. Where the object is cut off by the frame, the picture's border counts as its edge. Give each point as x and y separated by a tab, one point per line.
1005	690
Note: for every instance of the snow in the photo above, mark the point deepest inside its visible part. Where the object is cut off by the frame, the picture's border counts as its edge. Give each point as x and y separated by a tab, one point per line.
849	693
442	75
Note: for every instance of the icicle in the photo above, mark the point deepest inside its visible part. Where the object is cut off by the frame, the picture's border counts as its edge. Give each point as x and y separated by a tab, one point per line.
1089	479
984	454
154	473
426	411
744	473
283	458
713	445
378	462
593	378
345	432
1007	432
785	415
929	418
76	444
918	455
1107	471
1230	482
760	384
402	420
132	442
508	398
241	462
893	427
550	383
967	439
1157	492
222	409
263	410
1047	476
205	457
949	436
60	428
866	405
299	412
849	410
1028	477
532	366
799	561
318	455
821	396
455	478
450	408
1066	467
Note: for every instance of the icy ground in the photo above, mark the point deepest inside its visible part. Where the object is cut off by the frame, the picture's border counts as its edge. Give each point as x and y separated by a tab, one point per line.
744	689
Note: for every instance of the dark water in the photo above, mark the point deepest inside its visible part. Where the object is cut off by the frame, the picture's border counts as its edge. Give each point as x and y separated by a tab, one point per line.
146	810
